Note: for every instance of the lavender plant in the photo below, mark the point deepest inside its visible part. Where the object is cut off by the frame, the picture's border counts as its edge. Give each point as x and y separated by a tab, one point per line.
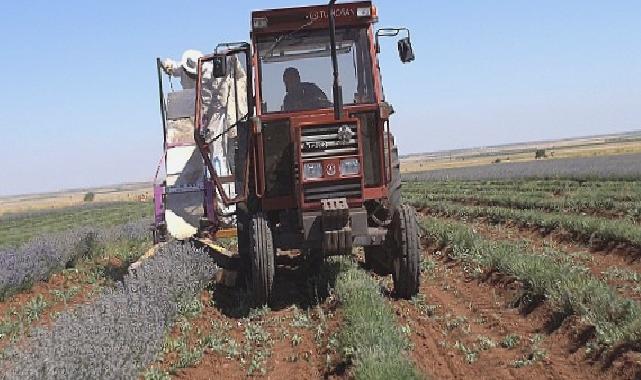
121	333
40	257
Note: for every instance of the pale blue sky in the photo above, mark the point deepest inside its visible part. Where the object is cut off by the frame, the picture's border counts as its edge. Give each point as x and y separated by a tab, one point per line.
79	103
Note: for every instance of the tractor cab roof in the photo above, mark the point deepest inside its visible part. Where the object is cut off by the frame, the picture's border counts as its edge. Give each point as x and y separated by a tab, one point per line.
360	13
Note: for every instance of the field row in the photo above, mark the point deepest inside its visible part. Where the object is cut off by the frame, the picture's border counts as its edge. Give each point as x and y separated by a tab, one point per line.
19	228
606	167
615	191
566	286
600	206
120	332
70	311
592	230
490	305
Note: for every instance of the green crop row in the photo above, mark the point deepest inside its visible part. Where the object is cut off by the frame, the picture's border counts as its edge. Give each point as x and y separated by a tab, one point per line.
568	288
618	192
370	337
542	185
522	201
19	228
585	227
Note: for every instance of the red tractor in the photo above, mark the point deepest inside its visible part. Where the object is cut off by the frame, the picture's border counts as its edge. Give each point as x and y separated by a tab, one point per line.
313	173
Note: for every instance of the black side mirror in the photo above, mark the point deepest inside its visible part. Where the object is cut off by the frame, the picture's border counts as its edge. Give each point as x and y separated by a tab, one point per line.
219	69
405	51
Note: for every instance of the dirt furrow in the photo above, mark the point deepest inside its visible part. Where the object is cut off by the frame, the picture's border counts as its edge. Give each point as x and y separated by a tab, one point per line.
613	265
294	340
466	328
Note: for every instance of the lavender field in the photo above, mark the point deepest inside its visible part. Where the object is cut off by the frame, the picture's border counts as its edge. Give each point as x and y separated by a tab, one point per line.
607	167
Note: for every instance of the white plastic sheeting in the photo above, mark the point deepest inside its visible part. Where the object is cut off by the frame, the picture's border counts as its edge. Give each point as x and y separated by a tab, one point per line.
184	165
184	208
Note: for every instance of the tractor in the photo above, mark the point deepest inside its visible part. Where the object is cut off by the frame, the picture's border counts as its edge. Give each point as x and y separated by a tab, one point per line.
315	167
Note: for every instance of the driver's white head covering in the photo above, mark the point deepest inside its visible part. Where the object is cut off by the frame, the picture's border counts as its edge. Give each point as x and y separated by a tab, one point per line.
189	60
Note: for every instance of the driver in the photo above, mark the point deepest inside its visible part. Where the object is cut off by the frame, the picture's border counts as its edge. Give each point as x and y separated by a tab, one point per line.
301	95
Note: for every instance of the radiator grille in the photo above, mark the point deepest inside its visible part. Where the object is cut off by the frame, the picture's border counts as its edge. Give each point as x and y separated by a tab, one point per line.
324	141
348	189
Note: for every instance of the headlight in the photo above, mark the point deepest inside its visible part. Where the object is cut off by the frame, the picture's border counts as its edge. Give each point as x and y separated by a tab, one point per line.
312	170
350	166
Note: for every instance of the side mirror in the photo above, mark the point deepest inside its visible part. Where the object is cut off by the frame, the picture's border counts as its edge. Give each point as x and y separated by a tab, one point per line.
219	66
405	51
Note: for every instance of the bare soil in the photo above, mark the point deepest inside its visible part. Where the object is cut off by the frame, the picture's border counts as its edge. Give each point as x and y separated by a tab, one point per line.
300	327
458	330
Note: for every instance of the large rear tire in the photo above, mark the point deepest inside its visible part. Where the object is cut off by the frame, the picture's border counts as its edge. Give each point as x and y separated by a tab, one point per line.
377	260
243	231
394	186
395	183
406	256
262	254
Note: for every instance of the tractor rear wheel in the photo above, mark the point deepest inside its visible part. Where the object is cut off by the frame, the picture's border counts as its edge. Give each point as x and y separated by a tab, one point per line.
261	250
395	183
406	256
243	232
377	259
394	187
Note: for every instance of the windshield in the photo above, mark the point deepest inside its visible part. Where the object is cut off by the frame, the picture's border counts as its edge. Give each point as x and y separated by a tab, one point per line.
296	69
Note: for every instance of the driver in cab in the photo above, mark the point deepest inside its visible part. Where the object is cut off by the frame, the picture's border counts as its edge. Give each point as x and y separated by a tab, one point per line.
302	95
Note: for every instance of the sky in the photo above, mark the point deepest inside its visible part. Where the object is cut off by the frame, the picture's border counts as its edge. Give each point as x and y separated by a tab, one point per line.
79	99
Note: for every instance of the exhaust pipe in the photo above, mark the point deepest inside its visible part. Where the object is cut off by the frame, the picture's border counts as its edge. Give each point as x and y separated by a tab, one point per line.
338	91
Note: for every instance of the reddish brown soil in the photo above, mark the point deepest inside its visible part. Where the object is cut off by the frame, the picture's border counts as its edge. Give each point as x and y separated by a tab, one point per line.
466	309
309	358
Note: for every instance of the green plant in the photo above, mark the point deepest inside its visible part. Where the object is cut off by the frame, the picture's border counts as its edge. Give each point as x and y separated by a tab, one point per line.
65	295
189	357
174	344
371	338
34	308
455	322
470	353
428	265
296	340
536	354
300	320
511	341
485	343
9	327
190	308
616	273
156	374
232	349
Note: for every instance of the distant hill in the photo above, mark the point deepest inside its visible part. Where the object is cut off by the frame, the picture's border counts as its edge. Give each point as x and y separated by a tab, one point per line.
575	147
530	145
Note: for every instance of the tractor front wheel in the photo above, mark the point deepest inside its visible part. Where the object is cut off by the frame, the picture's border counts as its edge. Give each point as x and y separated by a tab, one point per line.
261	249
406	255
